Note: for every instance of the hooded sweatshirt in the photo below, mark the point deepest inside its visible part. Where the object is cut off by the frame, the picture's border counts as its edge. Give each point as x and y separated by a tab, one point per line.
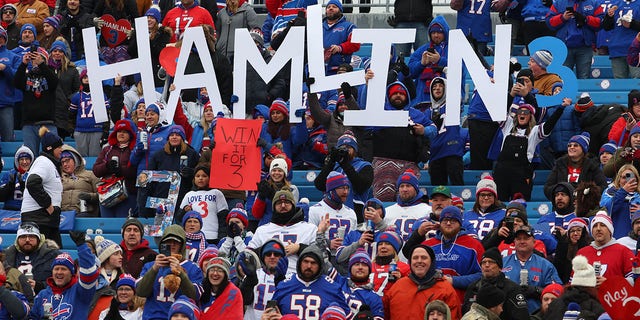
12	182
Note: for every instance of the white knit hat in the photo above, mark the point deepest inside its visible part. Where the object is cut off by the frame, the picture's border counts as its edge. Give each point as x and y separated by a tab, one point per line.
583	273
603	217
487	184
105	248
279	163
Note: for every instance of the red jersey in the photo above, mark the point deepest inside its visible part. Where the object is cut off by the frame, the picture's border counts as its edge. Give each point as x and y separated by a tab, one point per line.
179	19
615	259
380	274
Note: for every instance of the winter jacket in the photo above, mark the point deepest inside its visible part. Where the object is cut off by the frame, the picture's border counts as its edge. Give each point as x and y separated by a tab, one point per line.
407	300
567	126
259	92
413	11
478	312
41	260
534	10
569	32
44	189
424	74
332	122
71	28
133	260
156	139
598	121
12	183
590	172
163	160
515	304
590	307
339	34
622	37
80	181
128	12
33	13
618	201
223	69
227	23
123	153
13	34
7	88
68	84
39	88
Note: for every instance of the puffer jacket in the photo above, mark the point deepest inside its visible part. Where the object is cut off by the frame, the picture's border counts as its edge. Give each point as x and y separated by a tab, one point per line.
80	181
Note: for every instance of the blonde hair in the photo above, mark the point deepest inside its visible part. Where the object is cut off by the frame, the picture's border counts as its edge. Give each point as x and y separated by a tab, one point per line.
630	167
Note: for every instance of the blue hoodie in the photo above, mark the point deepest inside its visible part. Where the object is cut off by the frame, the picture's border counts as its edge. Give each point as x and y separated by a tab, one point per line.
7	90
424	74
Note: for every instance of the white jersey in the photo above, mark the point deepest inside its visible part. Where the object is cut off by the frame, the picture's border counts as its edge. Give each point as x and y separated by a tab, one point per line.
301	233
404	217
207	203
345	217
262	293
51	182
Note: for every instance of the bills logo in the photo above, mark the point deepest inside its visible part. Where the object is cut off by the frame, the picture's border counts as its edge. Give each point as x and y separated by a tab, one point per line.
63	311
11	220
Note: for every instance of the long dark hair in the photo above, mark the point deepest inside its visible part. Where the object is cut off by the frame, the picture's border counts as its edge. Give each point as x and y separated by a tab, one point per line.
208	288
280	130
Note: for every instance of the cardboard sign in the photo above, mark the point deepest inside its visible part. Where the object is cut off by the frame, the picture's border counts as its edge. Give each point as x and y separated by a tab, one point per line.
235	162
619	298
168	204
169	59
114	32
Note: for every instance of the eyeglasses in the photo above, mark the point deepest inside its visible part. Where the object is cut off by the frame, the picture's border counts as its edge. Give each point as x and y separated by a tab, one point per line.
448	220
8	11
284	202
485	195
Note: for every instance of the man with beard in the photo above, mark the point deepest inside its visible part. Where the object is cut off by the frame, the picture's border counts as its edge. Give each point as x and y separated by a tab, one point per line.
614	258
31	255
307	293
396	149
358	287
563	210
73	20
336	37
440	199
457	253
274	268
287	225
337	192
631	240
409	296
135	249
515	305
411	205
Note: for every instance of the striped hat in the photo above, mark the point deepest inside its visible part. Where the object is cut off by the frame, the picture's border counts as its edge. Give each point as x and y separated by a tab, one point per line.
602	217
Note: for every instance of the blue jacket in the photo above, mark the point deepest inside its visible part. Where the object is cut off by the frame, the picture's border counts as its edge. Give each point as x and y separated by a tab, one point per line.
312	150
82	107
297	136
567	126
156	140
7	89
337	34
622	37
618	202
568	31
448	142
541	274
424	74
533	10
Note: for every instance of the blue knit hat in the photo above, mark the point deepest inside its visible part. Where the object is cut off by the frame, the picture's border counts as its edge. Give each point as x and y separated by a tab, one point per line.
155	13
273	245
349	140
609	147
451	212
185	306
410	178
176	128
335	180
59	45
64	259
391	237
360	256
191	214
336	3
152	107
53	21
634	130
29	26
126	280
49	140
333	312
584	138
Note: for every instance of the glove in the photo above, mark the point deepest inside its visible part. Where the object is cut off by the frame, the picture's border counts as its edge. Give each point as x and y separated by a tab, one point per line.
309	81
403	67
84	196
248	263
98	22
140	147
281	268
531	292
580	18
300	113
113	166
392	21
104	140
78	237
234	230
262	143
346	90
234	98
333	155
266	190
186	172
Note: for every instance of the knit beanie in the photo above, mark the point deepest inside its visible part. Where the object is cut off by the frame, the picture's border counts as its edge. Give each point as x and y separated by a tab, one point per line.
349	140
284	194
601	216
397	88
238	213
410	178
64	259
52	21
191	215
392	238
493	254
487	184
634	130
633	98
542	58
185	306
206	255
135	222
279	163
335	180
360	256
31	27
583	273
49	140
554	288
279	105
451	212
336	3
221	263
583	140
519	211
152	107
489	296
59	45
155	13
573	312
437	305
609	147
333	311
176	128
577	222
584	102
272	245
105	248
28	229
126	280
527	73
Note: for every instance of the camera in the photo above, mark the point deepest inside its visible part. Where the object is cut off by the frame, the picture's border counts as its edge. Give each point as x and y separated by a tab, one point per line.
629	176
342	153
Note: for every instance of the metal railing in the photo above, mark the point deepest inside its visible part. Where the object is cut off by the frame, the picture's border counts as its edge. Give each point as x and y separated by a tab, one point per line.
377	6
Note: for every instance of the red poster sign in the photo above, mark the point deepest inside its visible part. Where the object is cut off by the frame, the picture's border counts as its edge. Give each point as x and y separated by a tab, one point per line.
619	298
236	159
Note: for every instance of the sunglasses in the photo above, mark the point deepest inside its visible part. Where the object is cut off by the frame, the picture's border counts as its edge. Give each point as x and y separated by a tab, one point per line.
524	111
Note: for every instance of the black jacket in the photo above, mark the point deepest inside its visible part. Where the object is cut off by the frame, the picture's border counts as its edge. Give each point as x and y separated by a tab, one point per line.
515	304
590	307
590	172
413	11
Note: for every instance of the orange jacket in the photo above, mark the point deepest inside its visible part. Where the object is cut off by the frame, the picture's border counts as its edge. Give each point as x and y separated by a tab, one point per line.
404	301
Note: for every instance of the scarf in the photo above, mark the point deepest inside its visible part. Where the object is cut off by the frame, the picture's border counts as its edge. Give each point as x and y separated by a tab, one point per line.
55	64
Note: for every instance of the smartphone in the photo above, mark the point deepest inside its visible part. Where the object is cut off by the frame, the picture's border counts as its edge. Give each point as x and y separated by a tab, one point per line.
569	9
165	249
559	221
520	81
34	48
432	50
508	221
627	117
272	304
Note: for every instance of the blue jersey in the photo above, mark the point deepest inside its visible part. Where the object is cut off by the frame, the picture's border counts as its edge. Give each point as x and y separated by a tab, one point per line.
82	106
158	304
547	222
357	296
4	313
541	274
474	19
483	224
308	300
622	37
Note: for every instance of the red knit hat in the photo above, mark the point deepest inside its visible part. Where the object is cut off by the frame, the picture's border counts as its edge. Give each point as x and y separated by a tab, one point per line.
397	88
280	105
